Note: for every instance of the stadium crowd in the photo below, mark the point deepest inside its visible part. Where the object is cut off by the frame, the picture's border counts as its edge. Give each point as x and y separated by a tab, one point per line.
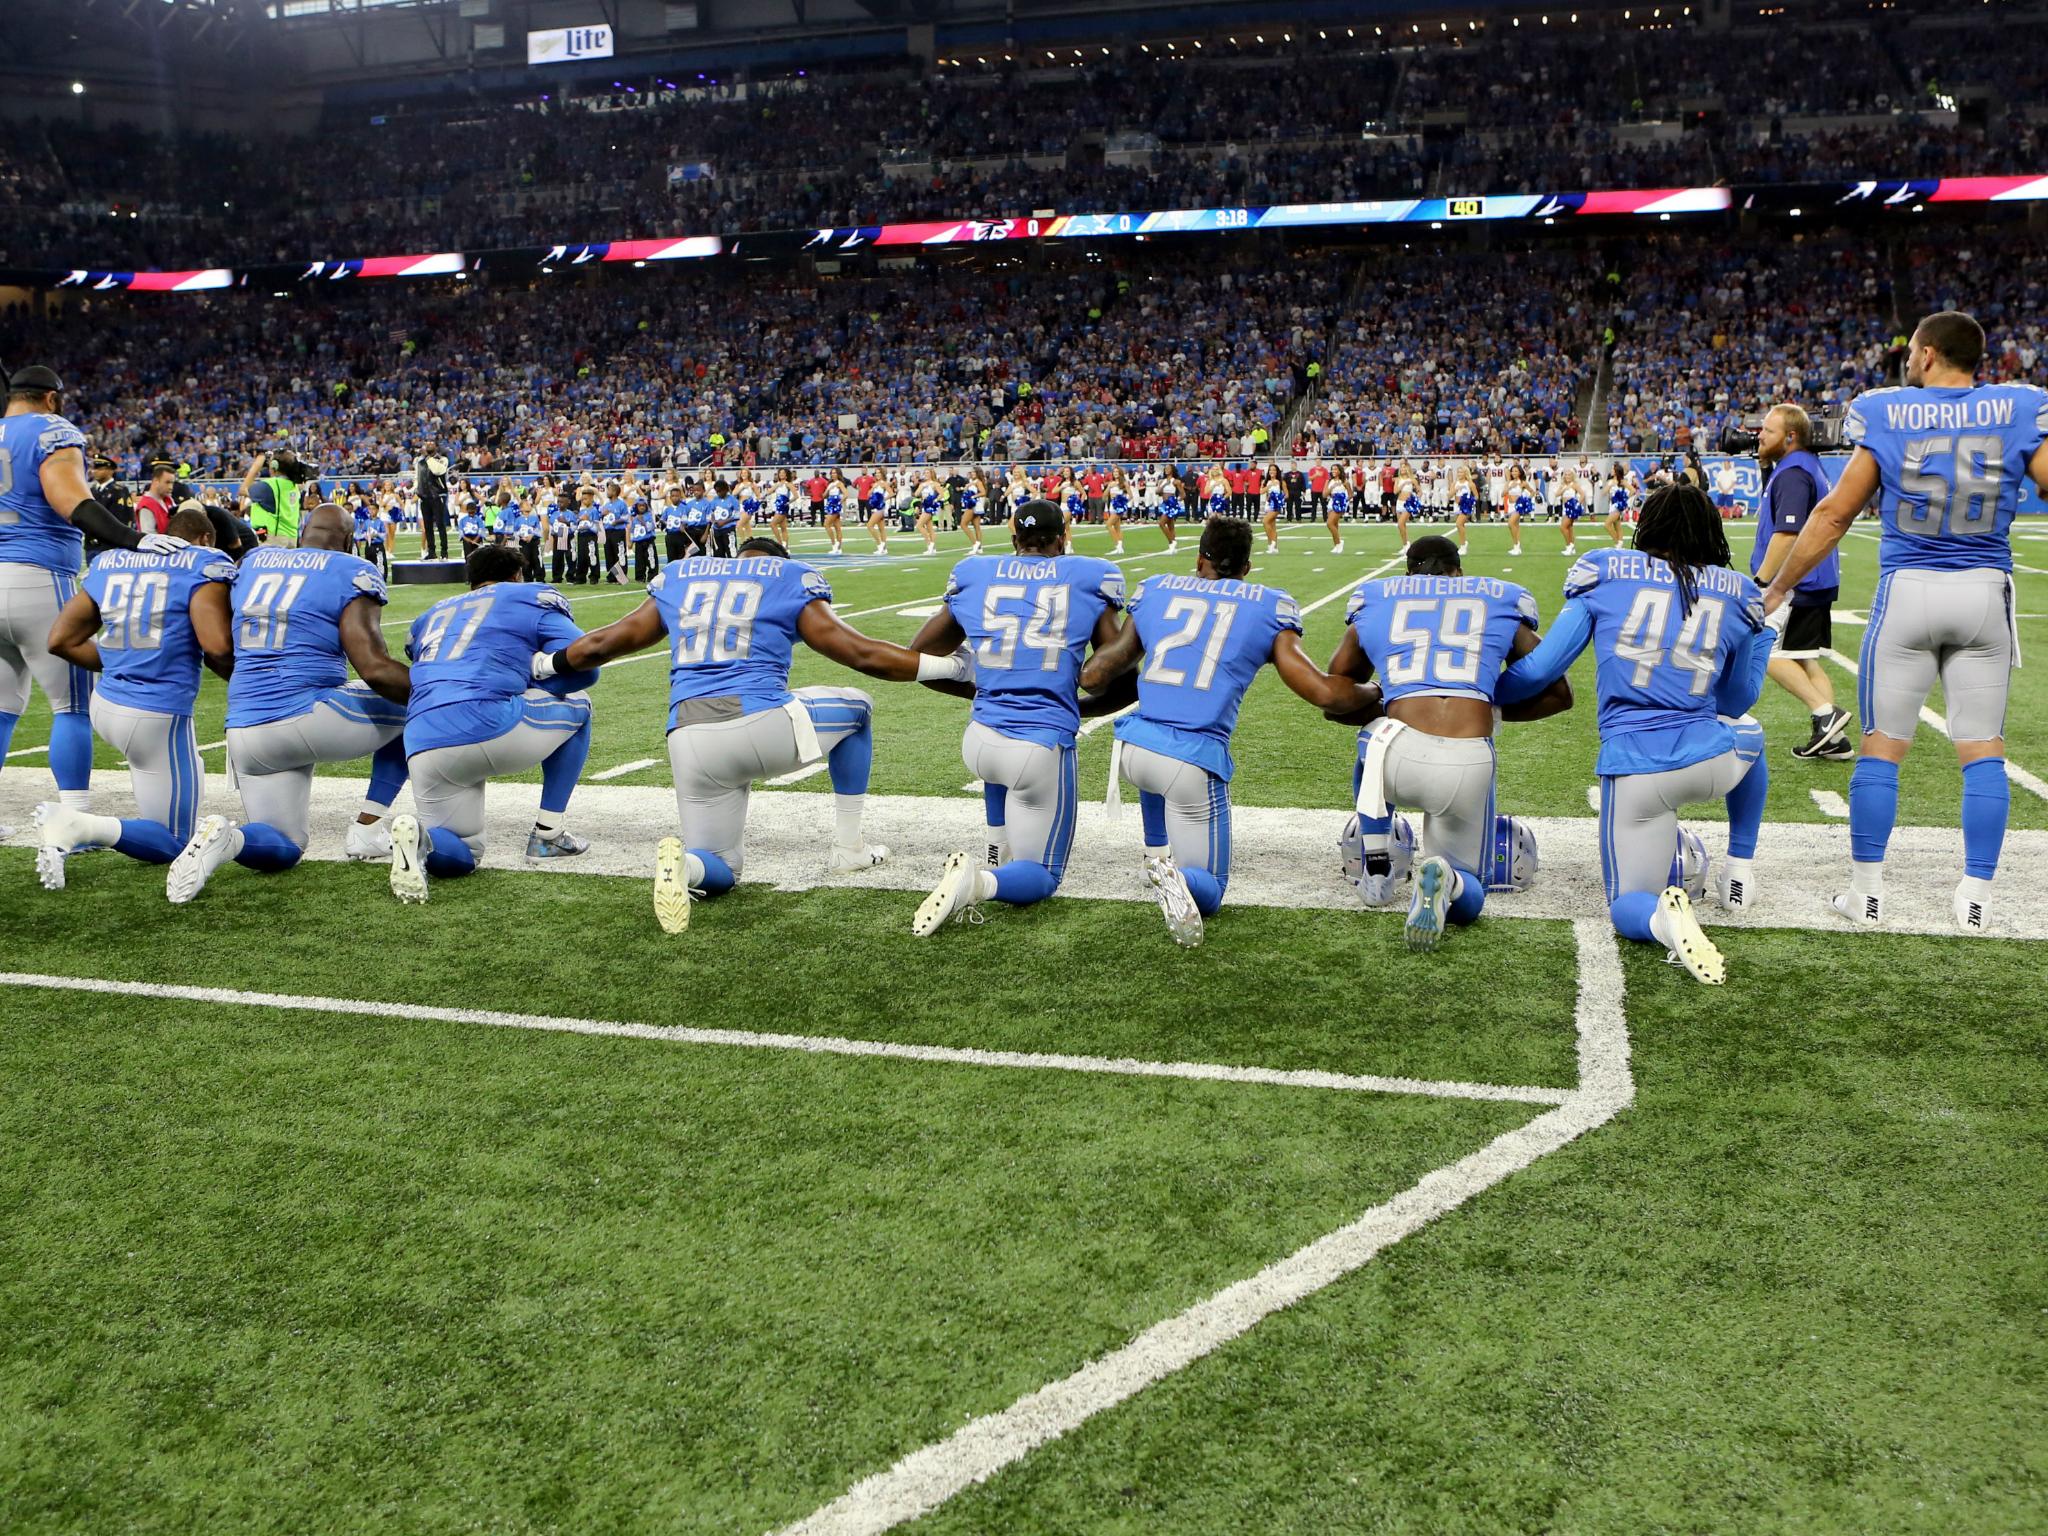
1513	109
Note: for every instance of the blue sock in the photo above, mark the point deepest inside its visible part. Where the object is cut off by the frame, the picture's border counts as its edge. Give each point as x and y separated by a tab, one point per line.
267	850
561	769
1632	912
387	773
7	725
718	875
1746	810
1471	897
849	762
1873	807
1021	882
149	841
995	803
71	751
1987	799
1152	811
1205	888
448	856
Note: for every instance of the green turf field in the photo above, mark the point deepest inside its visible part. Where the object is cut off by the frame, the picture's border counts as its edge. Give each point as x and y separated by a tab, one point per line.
297	1234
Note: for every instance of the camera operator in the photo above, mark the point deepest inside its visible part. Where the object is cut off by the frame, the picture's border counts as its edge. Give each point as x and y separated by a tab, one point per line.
271	490
430	484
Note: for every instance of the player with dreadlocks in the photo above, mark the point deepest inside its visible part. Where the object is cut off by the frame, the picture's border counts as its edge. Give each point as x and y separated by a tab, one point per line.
1681	646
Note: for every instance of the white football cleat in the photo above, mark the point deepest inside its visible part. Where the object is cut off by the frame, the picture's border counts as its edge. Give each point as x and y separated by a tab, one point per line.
408	859
1429	907
59	833
1176	901
194	866
954	893
671	886
1678	929
366	843
1973	915
1735	888
1863	911
851	861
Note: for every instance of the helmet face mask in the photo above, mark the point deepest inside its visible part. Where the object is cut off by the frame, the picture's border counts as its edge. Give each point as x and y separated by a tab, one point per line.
1514	854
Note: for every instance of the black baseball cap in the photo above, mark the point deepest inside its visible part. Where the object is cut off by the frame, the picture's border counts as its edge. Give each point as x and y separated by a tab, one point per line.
1042	514
34	380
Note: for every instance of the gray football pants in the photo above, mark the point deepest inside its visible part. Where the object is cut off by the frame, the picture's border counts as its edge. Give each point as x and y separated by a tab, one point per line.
163	761
448	782
715	763
1448	780
1955	626
1639	816
30	598
1197	807
274	761
1037	789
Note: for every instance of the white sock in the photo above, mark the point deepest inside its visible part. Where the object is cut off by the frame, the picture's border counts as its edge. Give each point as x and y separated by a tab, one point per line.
103	831
984	885
846	813
1156	853
547	824
1974	889
1660	926
1867	879
75	799
234	841
693	872
372	809
1741	869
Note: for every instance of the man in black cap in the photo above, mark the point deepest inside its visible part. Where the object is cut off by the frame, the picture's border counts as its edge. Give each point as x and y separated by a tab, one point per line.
47	511
110	493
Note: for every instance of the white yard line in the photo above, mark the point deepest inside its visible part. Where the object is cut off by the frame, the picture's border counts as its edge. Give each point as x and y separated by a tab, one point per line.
822	1045
1830	804
2013	770
927	1478
621	770
808	771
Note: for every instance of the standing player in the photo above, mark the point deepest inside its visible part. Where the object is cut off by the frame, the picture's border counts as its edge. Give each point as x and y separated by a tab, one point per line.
1338	494
303	617
1681	646
1804	626
1203	638
1030	617
1944	456
47	511
732	627
475	713
1437	639
156	616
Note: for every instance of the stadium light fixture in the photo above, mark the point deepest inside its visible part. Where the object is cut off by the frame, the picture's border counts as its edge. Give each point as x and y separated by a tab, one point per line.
78	87
1795	213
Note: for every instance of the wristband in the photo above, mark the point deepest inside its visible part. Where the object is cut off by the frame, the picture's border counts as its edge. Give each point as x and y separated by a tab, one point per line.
102	527
938	669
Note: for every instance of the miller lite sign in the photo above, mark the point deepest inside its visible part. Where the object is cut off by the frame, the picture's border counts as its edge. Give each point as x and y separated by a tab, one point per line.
565	45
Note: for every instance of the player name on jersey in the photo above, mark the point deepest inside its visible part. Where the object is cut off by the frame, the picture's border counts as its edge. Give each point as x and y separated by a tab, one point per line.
1949	415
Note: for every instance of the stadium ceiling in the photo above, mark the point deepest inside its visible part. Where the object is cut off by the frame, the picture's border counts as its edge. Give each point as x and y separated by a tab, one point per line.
47	32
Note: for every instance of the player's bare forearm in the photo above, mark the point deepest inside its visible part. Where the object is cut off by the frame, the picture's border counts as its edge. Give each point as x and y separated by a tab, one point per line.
1112	660
1119	694
1363	707
1554	700
939	635
79	652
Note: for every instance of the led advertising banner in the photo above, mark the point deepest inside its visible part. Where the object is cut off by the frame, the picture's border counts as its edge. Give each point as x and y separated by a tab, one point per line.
566	45
1421	213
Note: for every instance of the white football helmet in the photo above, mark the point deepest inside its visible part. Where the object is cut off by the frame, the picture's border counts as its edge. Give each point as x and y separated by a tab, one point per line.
1514	855
1689	866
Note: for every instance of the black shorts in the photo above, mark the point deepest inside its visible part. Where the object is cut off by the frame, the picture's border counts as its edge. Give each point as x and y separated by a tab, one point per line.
1809	628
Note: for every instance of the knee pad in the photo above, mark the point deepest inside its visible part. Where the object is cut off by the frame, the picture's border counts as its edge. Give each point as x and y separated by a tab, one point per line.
1689	865
1512	866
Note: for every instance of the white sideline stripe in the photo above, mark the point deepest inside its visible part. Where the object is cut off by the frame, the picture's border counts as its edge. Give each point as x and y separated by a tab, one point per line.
621	770
927	1478
2013	770
821	1045
1831	804
28	752
808	771
1593	798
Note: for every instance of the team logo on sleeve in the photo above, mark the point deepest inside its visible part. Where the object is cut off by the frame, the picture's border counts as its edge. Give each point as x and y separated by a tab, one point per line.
548	597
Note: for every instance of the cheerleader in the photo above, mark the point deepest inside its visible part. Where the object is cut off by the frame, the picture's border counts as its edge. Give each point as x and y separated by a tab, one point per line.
929	499
1276	503
1521	503
835	502
877	511
1407	504
750	505
781	496
1171	509
972	495
1339	507
1114	510
1465	499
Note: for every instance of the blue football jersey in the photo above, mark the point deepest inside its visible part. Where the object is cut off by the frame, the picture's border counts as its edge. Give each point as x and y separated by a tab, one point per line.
1439	635
288	605
1658	666
472	660
31	532
732	626
725	511
149	655
1029	619
1950	466
1204	643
